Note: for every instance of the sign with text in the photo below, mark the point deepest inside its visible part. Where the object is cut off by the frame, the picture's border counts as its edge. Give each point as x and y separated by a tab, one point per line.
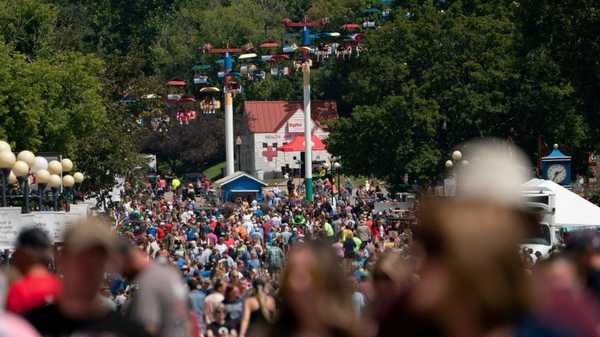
296	123
12	221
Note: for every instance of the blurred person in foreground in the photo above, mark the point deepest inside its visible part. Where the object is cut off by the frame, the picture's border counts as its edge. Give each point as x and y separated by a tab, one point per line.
316	299
562	297
12	325
37	286
472	281
583	248
160	299
259	309
80	310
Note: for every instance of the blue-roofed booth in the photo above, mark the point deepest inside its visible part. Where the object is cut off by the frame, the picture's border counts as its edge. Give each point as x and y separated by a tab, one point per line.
240	185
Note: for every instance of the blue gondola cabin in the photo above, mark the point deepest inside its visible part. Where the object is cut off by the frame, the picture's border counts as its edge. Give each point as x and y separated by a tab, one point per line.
240	185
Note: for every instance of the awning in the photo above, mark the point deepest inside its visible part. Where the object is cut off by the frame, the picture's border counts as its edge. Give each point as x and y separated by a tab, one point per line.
297	144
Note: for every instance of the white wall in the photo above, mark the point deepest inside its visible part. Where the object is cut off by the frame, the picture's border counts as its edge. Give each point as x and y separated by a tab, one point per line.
259	161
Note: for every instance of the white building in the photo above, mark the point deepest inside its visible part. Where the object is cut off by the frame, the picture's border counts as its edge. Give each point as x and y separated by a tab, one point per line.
273	142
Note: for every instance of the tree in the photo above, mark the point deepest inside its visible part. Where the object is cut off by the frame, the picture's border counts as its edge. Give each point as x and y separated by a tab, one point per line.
27	25
183	149
390	139
465	60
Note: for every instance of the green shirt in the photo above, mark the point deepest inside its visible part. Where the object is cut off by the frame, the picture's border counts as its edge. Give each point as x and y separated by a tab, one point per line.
357	244
328	230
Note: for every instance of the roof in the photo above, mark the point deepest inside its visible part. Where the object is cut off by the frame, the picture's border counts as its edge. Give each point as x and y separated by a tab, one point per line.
269	116
556	154
297	144
572	210
235	176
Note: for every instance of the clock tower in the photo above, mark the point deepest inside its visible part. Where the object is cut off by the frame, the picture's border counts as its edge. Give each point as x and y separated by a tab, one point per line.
557	167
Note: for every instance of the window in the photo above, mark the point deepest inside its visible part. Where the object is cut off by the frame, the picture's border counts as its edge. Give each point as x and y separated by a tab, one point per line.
265	145
275	145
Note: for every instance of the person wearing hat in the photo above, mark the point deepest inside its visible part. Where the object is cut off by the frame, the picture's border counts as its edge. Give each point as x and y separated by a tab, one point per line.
80	310
37	286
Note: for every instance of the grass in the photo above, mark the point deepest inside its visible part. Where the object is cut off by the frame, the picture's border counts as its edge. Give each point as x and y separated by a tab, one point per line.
214	172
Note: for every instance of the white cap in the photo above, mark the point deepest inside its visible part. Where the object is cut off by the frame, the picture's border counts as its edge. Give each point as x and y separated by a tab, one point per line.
496	172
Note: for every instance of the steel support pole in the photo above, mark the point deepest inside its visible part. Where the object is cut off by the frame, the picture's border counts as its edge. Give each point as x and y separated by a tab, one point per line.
229	167
307	134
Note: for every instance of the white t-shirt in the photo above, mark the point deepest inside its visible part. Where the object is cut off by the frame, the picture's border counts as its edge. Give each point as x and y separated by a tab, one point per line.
221	248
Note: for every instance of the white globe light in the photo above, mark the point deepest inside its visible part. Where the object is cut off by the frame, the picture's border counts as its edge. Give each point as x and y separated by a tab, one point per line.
54	167
449	164
54	181
12	178
326	165
337	165
39	163
7	159
67	165
456	155
78	177
42	176
20	168
4	146
68	181
26	156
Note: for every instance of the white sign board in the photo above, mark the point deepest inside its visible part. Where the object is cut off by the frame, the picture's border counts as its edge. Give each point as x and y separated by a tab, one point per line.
450	187
10	220
54	223
296	123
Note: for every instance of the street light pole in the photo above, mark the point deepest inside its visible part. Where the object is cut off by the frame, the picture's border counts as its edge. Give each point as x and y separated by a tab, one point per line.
7	160
238	145
54	183
337	166
5	173
307	133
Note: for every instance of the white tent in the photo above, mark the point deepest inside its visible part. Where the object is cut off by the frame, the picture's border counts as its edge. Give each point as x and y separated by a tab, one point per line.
572	210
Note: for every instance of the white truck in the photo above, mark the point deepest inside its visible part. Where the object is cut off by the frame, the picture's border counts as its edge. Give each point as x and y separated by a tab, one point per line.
547	233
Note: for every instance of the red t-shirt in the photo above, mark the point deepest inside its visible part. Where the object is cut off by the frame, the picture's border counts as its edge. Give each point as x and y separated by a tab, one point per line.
160	234
32	291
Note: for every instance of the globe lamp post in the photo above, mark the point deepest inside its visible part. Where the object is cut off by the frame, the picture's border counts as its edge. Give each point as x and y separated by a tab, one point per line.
42	177
79	177
68	182
21	171
337	167
7	160
54	183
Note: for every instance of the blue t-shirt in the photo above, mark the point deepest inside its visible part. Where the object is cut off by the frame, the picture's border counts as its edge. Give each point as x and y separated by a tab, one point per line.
197	301
191	234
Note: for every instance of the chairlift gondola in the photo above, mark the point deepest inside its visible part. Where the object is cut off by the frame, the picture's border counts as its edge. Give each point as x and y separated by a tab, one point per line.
290	48
199	76
209	103
175	90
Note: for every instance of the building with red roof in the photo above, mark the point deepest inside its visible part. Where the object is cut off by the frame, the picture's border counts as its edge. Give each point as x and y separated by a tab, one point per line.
273	140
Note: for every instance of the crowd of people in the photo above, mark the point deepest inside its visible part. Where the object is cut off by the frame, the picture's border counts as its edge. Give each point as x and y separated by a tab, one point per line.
172	264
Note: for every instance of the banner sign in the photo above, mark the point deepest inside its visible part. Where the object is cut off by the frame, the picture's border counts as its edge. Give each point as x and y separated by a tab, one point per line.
12	221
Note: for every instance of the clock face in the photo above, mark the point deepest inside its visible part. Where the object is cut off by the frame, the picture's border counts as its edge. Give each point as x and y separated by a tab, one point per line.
557	173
